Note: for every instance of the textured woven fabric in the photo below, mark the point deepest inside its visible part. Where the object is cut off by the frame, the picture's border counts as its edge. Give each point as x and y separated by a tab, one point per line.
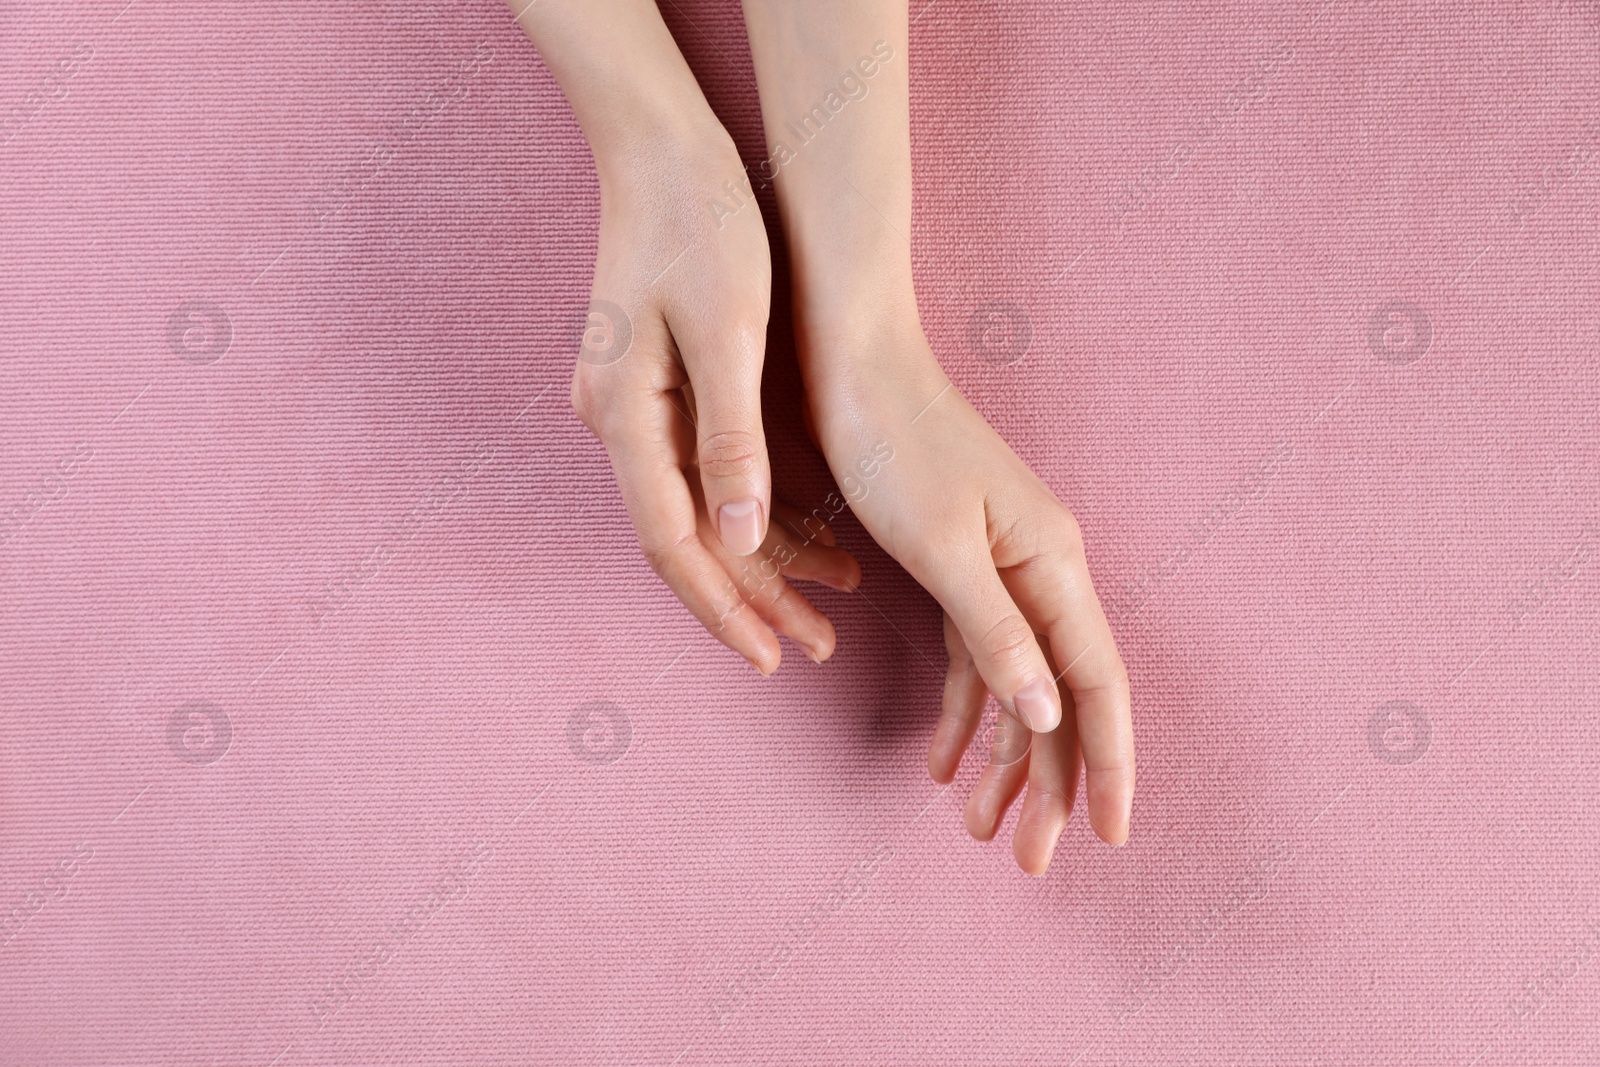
342	722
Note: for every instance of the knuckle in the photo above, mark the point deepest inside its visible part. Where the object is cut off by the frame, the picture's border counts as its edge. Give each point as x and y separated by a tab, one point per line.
668	560
1010	538
662	555
1049	799
769	594
715	616
729	454
943	536
1008	643
748	337
1120	683
657	558
586	401
1069	533
1112	679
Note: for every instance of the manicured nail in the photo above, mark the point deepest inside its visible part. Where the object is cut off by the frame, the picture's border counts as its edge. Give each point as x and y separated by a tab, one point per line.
739	525
1036	703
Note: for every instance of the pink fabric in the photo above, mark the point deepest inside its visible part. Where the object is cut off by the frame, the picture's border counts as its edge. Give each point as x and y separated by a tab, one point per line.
341	722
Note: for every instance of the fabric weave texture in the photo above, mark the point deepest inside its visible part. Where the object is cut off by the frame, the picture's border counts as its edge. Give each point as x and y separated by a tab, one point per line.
341	720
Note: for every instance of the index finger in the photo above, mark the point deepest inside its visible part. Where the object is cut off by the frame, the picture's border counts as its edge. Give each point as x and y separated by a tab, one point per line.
643	435
1051	585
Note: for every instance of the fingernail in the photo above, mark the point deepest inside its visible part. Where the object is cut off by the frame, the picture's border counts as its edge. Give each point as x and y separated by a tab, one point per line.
739	525
1036	703
839	584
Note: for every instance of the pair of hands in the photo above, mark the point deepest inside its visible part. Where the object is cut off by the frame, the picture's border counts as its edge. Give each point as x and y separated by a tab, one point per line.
674	392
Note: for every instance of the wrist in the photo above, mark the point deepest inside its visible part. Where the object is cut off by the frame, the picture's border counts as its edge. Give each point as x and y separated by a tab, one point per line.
849	247
872	340
854	297
662	136
622	72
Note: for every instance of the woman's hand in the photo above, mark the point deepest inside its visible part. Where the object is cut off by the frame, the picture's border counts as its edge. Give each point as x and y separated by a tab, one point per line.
946	496
669	372
669	378
970	522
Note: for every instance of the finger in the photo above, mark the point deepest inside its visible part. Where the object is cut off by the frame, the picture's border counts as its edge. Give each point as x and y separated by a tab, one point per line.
1000	639
759	579
1002	779
808	558
1052	786
784	609
832	567
806	527
961	711
723	355
640	432
1052	586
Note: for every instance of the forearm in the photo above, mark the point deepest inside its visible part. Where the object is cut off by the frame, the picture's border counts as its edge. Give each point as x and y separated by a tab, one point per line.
634	96
835	101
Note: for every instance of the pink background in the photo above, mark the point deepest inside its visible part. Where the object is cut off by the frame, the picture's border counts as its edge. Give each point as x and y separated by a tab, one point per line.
373	536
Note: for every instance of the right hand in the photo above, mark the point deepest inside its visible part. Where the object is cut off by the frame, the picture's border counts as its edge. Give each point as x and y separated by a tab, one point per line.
669	379
968	519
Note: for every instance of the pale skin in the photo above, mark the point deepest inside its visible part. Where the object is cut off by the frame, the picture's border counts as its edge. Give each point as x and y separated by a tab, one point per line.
680	413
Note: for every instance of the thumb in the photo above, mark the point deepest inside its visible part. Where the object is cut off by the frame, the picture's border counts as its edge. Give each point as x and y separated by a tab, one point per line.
731	447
